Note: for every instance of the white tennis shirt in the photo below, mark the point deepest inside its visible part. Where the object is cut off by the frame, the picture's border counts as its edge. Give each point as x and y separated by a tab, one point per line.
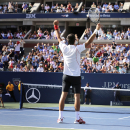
71	54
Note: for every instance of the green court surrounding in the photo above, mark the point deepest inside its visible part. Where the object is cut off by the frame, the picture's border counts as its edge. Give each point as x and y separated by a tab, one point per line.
9	105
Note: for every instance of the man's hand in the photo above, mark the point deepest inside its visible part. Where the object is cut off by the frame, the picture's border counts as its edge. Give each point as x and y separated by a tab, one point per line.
56	22
98	26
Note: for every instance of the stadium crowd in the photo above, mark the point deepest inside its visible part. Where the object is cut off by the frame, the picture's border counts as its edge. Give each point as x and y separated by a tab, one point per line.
109	35
19	34
43	34
45	58
59	8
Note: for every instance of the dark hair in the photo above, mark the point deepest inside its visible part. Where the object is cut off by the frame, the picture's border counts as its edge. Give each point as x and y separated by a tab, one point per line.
71	39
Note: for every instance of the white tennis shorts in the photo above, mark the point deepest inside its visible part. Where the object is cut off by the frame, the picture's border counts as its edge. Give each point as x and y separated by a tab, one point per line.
0	95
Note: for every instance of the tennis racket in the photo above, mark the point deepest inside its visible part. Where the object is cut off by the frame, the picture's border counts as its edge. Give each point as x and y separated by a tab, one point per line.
94	15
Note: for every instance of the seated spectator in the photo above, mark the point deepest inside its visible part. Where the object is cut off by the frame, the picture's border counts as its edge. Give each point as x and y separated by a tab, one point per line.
10	37
120	8
103	70
104	9
24	6
29	8
99	9
117	37
51	69
116	7
16	7
53	6
127	61
52	11
1	7
115	33
21	69
40	68
47	7
105	5
109	36
83	10
77	6
110	8
47	11
61	67
5	8
57	69
42	8
58	10
15	69
5	36
105	37
122	70
93	5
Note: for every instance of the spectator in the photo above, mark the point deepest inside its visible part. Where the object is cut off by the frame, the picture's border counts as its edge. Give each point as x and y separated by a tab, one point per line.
47	11
120	8
122	70
15	69
10	8
17	50
83	10
16	7
5	61
93	5
105	5
110	8
104	9
69	7
95	59
42	8
53	6
47	7
40	68
116	7
24	6
5	8
77	6
22	46
5	36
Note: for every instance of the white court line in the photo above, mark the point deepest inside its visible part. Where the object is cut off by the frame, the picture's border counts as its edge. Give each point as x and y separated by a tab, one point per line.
57	116
44	127
124	118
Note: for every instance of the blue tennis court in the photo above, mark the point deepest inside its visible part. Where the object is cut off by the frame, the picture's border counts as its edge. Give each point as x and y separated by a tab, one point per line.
96	117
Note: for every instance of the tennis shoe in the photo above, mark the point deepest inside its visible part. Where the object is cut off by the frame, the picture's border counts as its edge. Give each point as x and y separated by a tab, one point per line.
84	103
60	120
80	121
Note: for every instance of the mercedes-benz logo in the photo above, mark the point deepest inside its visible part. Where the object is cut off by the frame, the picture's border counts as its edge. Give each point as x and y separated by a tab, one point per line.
31	95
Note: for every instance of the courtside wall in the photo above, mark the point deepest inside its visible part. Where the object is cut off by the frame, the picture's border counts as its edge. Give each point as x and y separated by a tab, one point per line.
52	95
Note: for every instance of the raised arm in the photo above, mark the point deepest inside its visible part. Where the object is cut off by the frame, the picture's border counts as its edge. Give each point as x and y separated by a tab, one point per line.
92	37
56	26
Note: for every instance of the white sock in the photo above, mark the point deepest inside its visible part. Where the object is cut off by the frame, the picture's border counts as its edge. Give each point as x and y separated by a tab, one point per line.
60	114
77	115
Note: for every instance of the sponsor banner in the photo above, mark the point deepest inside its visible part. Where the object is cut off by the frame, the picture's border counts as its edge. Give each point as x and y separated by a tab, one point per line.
52	94
62	15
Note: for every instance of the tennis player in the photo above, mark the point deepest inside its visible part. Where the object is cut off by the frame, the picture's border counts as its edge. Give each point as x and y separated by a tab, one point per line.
71	73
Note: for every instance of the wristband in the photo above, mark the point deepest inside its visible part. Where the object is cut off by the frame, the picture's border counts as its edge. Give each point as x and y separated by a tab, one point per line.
55	27
96	31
